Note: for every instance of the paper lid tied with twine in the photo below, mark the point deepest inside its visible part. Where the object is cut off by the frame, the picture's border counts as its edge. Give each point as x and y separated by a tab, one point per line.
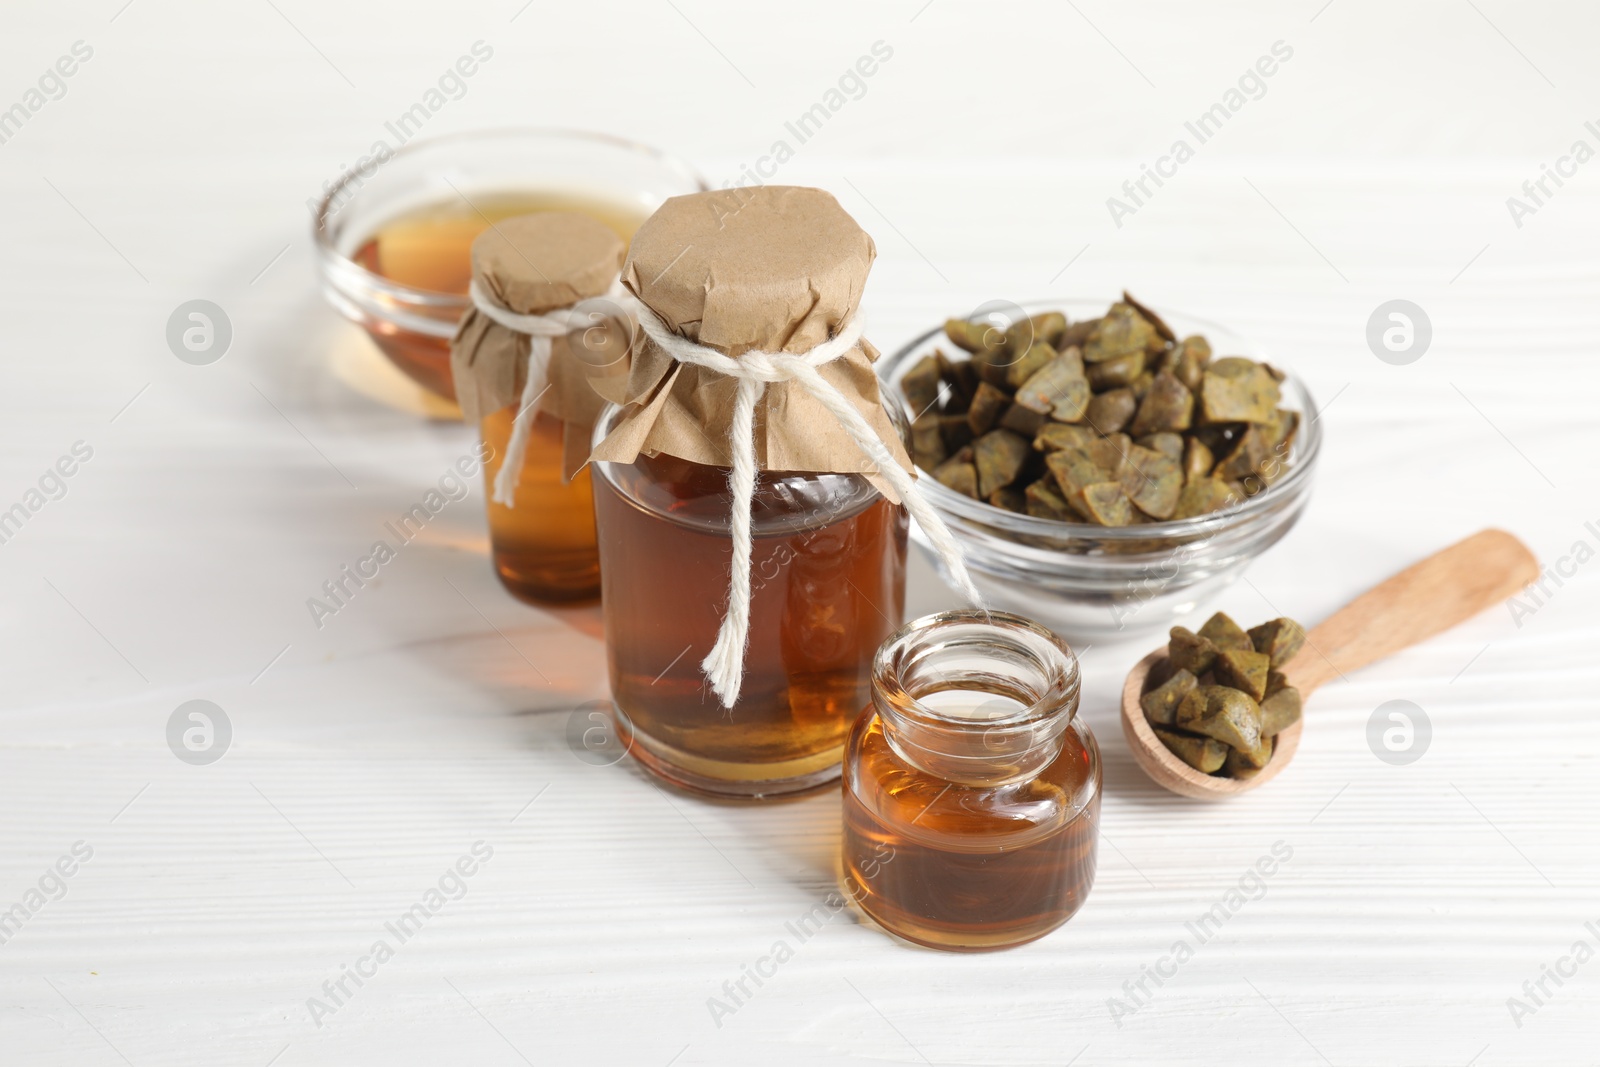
515	345
751	357
775	268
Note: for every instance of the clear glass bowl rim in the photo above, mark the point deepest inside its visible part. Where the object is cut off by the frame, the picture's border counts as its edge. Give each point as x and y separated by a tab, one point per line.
334	259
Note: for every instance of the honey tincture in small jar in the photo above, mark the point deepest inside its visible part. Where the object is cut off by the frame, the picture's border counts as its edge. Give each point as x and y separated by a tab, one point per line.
538	282
971	788
749	495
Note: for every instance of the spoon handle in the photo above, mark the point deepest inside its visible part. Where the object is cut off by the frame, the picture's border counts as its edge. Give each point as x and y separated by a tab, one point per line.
1426	598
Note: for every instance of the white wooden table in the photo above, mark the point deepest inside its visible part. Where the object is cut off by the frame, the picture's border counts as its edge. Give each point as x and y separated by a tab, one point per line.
368	756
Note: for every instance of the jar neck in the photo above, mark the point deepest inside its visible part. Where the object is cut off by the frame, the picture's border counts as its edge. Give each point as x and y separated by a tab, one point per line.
977	698
698	496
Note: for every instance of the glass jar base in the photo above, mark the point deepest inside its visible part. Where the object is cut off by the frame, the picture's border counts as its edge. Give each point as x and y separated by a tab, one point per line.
724	780
941	938
546	585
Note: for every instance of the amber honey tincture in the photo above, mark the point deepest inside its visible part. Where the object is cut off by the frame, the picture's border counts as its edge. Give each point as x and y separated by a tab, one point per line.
754	370
971	788
748	494
521	373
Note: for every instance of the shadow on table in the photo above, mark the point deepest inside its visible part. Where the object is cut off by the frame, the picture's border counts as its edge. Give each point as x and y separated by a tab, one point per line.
378	430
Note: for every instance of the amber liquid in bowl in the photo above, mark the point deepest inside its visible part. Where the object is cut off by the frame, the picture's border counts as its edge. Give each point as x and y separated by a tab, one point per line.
430	248
544	547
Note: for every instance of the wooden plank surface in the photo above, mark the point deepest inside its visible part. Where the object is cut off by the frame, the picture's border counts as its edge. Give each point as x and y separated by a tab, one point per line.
370	755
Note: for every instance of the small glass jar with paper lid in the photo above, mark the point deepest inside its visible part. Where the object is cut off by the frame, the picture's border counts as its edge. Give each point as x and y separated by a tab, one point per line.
751	494
543	289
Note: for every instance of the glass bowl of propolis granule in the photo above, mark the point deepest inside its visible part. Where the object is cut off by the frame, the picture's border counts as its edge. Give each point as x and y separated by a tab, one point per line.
1109	469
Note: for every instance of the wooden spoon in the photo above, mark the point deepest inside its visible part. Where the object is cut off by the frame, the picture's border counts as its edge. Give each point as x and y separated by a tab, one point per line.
1426	598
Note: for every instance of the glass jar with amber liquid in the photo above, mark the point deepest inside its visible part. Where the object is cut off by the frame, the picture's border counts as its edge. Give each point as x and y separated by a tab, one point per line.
522	367
828	585
735	675
971	788
543	543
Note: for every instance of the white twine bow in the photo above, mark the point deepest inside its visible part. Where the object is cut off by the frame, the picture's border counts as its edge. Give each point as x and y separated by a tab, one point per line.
755	370
540	330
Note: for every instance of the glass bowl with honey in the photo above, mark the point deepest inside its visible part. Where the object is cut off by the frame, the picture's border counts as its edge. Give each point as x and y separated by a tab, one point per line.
394	234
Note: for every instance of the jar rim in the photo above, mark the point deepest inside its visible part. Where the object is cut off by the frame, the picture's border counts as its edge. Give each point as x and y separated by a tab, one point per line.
1055	698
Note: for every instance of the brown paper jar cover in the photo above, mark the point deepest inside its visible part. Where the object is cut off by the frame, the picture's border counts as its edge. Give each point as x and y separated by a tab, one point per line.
533	264
774	268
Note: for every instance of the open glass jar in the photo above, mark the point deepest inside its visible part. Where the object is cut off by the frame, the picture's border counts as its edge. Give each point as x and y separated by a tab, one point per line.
971	788
394	234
